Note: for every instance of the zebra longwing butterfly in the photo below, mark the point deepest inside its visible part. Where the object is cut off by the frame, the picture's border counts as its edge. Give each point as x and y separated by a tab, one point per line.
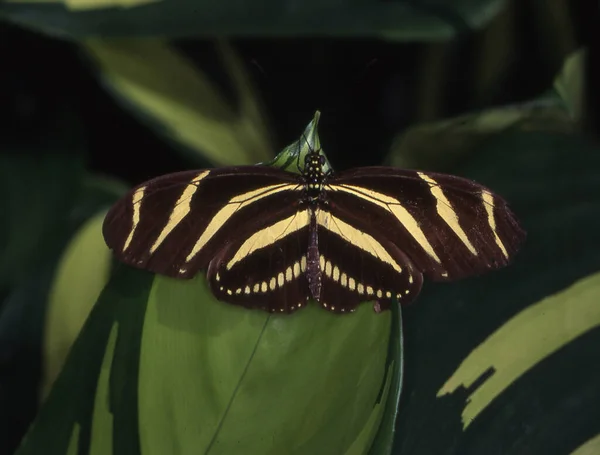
272	239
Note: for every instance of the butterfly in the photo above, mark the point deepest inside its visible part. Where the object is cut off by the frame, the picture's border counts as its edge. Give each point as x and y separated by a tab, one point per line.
274	240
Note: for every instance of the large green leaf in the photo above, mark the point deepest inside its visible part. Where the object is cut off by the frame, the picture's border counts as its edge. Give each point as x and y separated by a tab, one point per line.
415	20
79	278
313	378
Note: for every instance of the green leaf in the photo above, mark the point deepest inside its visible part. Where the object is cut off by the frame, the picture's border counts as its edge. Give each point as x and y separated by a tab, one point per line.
544	327
409	21
292	157
191	112
296	372
81	274
71	414
384	440
570	83
441	144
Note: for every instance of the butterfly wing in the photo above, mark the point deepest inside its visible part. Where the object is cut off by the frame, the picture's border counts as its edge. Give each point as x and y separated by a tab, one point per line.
175	224
449	227
266	268
359	266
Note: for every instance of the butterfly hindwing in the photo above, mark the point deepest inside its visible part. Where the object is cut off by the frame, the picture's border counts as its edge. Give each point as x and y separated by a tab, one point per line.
448	226
360	267
266	269
175	224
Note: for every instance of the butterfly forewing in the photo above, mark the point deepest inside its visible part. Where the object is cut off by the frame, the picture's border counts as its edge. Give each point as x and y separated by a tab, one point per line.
175	224
265	269
448	226
358	266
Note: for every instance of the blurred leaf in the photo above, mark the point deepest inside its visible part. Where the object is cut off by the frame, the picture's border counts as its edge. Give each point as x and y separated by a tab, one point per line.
414	20
590	447
98	192
570	83
67	418
21	325
160	85
80	276
441	144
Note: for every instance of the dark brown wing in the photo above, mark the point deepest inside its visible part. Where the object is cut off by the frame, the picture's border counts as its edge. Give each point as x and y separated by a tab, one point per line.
360	266
265	269
448	226
175	224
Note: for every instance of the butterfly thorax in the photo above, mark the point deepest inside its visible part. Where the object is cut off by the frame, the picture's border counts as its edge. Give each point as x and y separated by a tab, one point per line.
314	176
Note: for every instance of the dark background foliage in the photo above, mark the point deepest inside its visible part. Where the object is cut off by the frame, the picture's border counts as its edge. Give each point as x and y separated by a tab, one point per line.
365	86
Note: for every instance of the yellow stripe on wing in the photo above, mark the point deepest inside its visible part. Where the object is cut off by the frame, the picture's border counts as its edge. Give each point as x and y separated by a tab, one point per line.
236	203
394	207
446	212
180	211
136	201
488	202
357	238
269	235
